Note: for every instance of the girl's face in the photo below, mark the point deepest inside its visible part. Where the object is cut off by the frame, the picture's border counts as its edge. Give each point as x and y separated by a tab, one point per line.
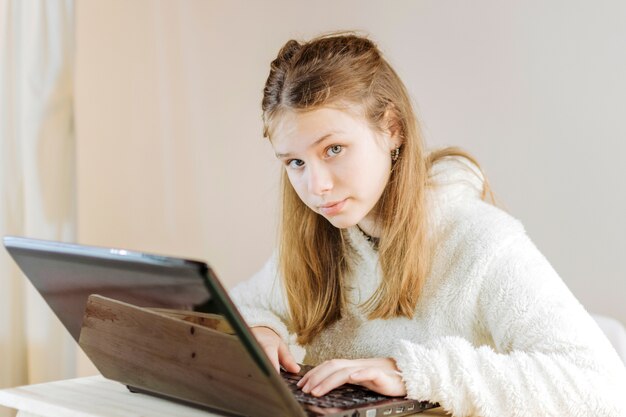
336	163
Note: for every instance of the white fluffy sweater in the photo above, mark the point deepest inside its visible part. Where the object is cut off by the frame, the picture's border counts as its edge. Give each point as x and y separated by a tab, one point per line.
495	333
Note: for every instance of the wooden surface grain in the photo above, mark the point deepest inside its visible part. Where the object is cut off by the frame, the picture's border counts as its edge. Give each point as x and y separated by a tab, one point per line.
166	354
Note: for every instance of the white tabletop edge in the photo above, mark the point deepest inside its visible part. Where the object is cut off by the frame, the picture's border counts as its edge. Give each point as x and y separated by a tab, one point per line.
93	396
22	398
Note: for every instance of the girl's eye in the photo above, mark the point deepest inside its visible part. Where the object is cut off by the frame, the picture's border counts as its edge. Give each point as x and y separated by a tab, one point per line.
295	163
334	150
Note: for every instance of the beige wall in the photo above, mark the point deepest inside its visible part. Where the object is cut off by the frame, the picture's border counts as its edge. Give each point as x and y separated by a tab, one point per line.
171	159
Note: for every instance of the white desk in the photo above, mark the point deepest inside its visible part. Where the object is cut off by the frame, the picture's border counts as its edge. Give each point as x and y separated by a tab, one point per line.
97	397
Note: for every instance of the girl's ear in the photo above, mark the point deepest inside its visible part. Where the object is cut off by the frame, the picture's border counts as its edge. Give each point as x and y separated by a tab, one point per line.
392	126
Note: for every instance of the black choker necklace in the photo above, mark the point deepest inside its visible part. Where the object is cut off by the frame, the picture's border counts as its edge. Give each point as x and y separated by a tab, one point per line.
373	240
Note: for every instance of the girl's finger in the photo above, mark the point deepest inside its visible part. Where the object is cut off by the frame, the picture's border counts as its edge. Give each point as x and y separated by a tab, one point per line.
321	372
334	380
287	360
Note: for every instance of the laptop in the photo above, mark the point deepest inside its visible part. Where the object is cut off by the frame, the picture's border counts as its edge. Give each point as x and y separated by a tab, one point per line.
68	276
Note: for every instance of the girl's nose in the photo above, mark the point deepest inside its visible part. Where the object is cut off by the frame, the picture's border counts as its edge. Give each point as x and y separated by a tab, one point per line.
320	180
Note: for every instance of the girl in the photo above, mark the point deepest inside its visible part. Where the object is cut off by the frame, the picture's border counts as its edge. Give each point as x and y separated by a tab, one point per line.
394	272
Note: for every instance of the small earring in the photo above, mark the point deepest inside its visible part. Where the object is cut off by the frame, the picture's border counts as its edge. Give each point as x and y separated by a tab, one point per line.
395	154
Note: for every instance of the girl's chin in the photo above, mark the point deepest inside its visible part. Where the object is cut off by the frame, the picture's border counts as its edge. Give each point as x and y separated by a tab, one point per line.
342	222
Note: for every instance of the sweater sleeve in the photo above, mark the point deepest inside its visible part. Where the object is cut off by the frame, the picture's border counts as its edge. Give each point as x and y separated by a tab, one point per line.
548	358
261	300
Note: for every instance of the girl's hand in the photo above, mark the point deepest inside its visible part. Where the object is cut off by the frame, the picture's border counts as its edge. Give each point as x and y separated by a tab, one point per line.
275	349
378	374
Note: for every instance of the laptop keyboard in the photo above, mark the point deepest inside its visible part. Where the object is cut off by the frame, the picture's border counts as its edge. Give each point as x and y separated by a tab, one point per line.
342	397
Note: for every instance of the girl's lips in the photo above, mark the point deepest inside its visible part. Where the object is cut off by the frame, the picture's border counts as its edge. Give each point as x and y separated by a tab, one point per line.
332	209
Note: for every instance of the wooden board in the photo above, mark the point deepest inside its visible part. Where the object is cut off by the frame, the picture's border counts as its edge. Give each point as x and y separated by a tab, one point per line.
162	352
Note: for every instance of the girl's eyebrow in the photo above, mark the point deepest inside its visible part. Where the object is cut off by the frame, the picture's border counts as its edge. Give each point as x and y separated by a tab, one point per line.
326	136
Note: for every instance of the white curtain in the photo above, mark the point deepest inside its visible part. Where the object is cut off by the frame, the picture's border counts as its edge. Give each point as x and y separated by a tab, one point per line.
37	177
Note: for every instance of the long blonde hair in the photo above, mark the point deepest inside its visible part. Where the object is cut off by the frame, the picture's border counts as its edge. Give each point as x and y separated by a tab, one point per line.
346	68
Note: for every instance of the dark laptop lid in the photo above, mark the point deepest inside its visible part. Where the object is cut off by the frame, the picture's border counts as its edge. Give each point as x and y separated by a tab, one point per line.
66	274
